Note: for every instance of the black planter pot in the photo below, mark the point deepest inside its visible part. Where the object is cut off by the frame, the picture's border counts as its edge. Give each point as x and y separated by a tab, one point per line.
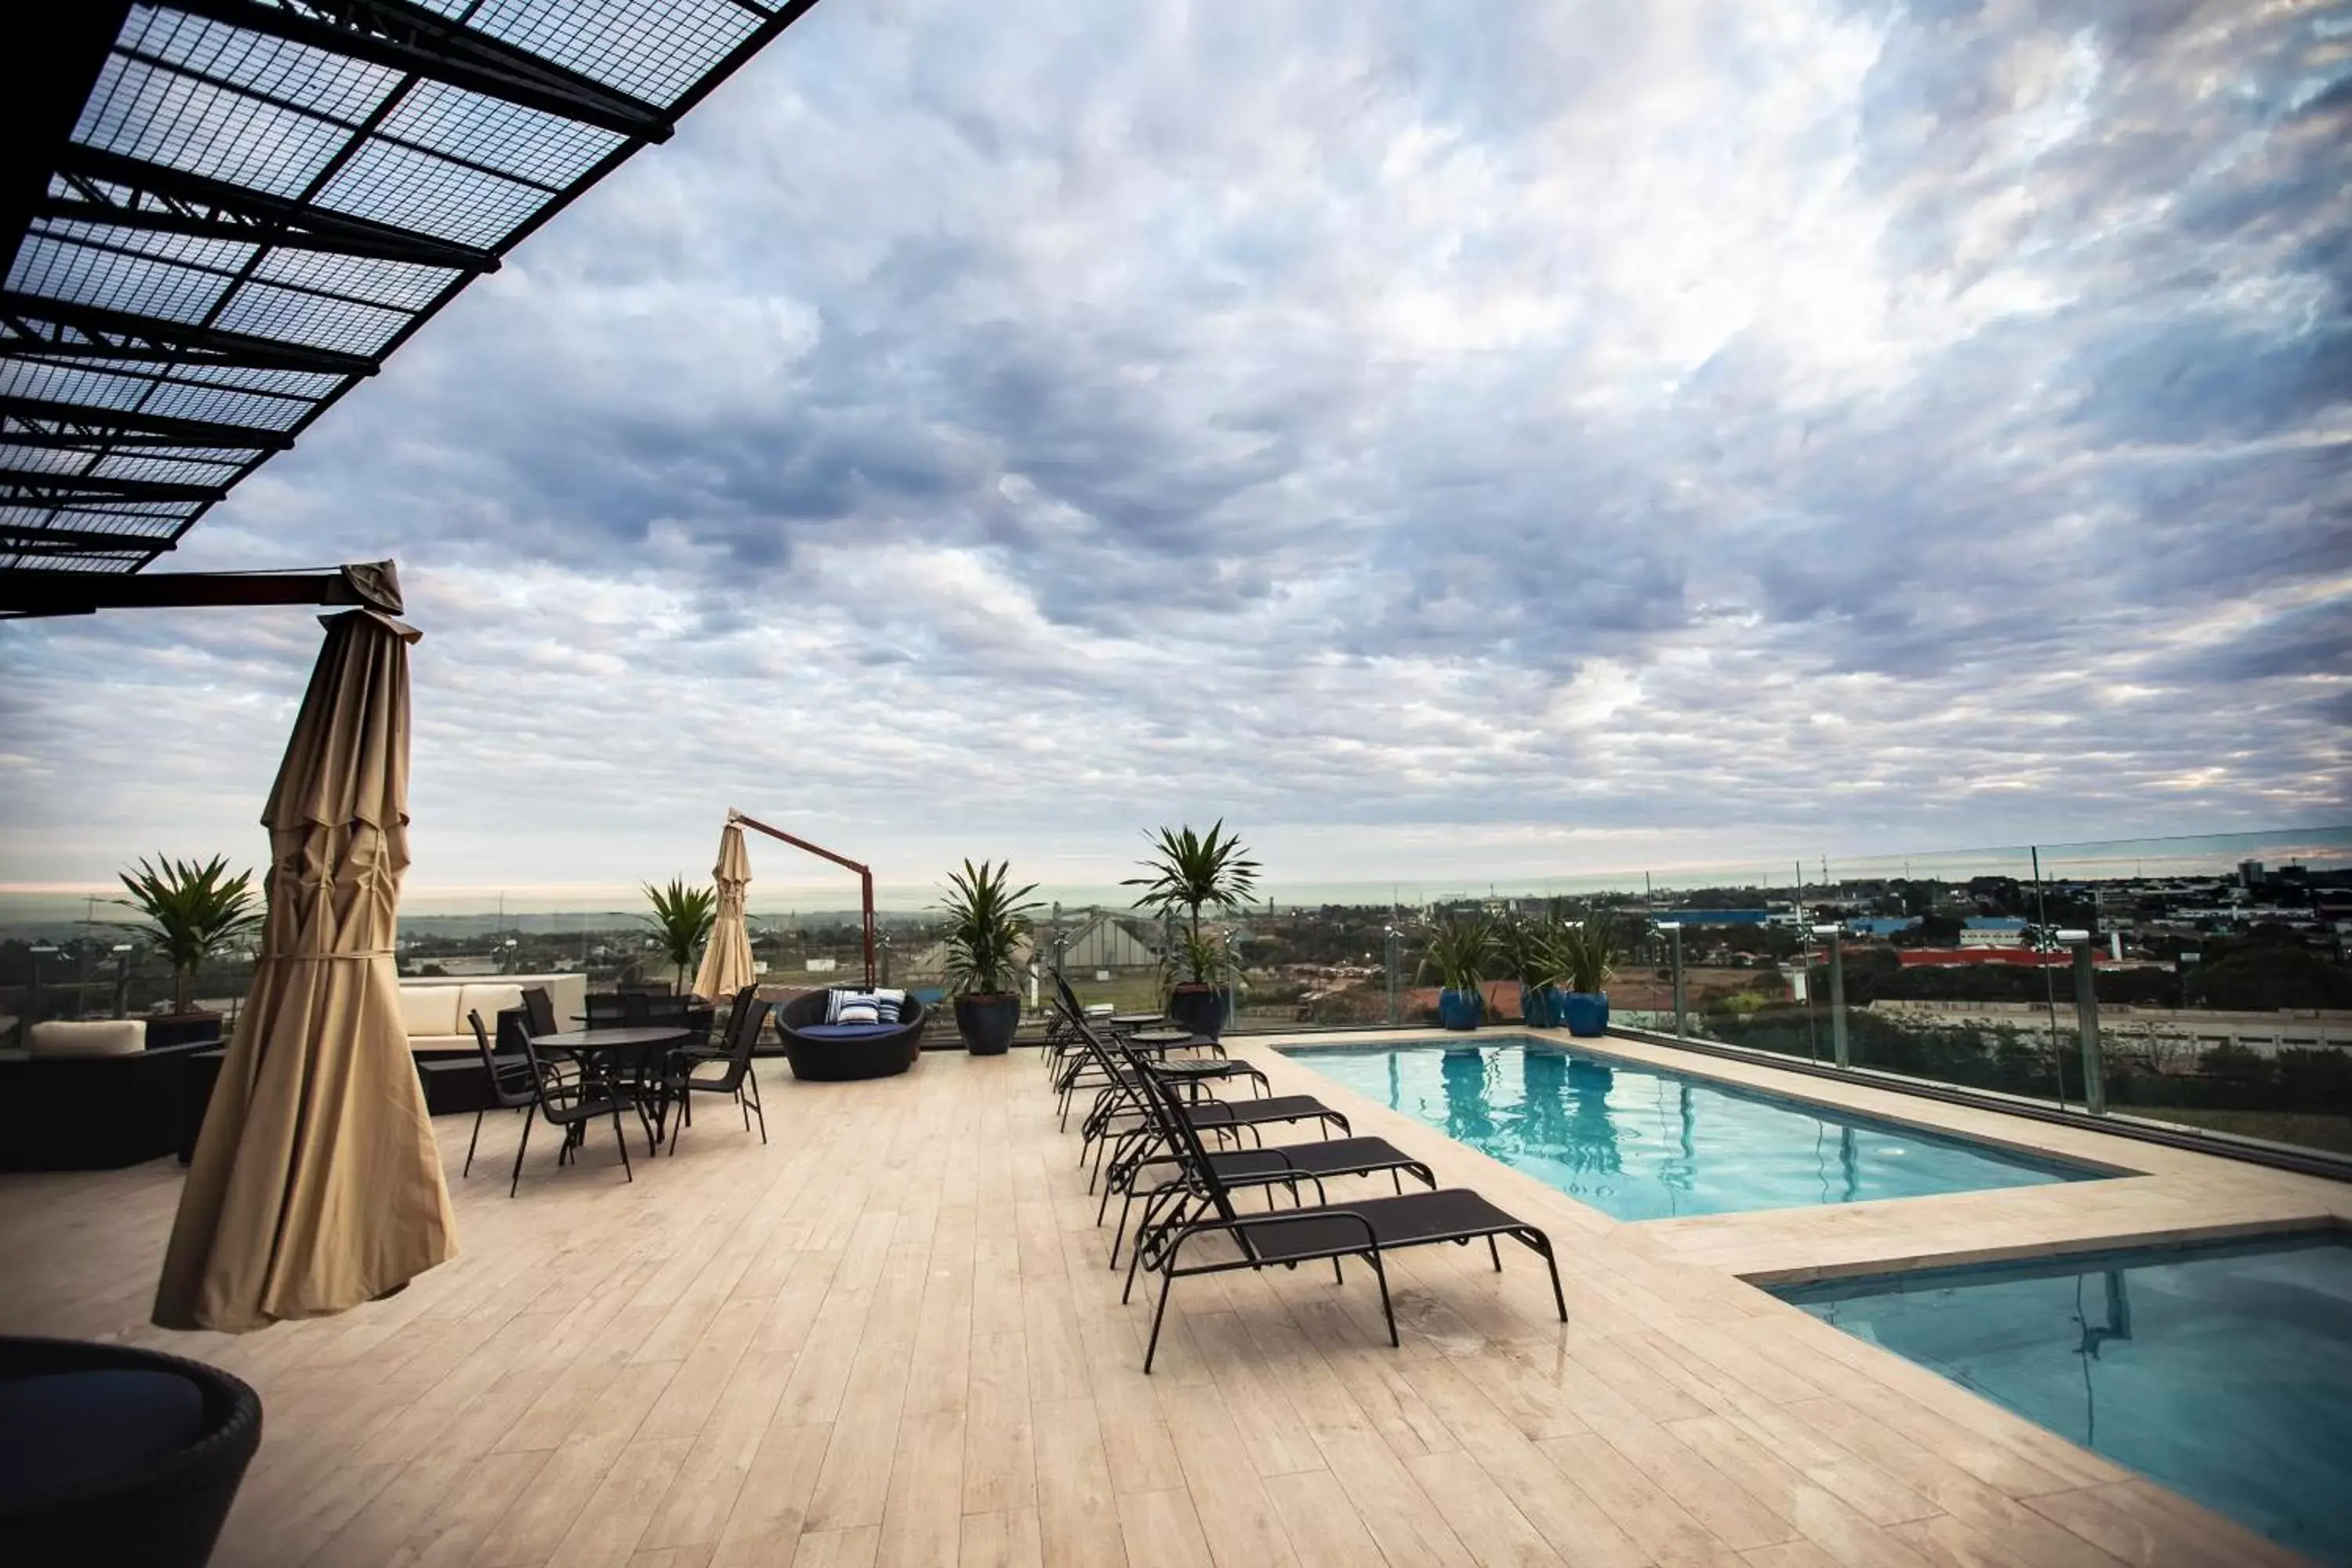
987	1021
1198	1007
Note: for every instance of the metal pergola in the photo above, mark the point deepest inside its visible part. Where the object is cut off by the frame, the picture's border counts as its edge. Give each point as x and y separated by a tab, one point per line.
222	215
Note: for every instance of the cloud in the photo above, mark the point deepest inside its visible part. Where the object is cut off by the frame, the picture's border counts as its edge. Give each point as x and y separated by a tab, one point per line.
1626	430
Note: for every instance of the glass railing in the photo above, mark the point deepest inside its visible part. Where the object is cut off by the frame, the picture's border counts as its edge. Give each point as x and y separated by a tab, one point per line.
2201	983
2196	981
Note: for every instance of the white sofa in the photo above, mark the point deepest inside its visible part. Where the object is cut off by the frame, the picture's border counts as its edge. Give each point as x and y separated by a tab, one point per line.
435	1009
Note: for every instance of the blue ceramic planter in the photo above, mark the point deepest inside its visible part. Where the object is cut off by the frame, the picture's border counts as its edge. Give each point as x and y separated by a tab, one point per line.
1586	1013
1539	1009
1460	1009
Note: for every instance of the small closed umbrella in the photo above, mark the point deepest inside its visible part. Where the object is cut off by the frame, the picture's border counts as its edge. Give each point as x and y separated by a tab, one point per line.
316	1183
726	958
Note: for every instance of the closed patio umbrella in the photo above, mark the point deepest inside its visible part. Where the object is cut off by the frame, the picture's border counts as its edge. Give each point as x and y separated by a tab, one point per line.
727	957
316	1183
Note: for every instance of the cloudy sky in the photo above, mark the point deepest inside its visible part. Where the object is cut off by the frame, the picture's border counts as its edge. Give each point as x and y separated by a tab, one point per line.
1449	442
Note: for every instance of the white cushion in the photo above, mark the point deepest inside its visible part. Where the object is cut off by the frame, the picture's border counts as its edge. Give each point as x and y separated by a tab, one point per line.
429	1009
101	1037
489	999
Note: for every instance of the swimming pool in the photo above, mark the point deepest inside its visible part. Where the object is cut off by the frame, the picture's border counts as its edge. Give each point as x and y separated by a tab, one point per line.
1639	1142
2225	1372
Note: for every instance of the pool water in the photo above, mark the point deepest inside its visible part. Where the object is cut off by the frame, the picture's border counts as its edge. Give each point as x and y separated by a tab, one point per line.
2224	1373
1639	1142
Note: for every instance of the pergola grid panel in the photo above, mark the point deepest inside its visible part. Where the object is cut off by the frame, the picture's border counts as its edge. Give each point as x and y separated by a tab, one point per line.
260	199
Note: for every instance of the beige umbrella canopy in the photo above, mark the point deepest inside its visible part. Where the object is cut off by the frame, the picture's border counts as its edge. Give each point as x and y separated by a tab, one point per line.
727	957
316	1183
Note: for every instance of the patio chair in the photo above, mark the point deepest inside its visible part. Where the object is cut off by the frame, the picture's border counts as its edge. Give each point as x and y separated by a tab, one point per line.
691	1073
539	1011
1363	1227
568	1103
511	1086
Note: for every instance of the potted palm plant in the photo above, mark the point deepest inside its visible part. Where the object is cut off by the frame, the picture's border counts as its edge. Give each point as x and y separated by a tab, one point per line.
1589	954
1531	951
192	912
1191	872
1456	958
681	921
987	917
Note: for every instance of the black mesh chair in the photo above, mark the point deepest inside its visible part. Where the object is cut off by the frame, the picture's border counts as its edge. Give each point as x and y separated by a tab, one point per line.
512	1084
569	1103
701	1072
539	1011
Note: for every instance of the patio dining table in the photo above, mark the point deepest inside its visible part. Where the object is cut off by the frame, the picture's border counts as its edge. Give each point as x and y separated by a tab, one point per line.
606	1049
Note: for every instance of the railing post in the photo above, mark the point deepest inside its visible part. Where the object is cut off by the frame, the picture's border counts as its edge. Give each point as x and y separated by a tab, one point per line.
1676	929
1837	991
1392	940
2086	1016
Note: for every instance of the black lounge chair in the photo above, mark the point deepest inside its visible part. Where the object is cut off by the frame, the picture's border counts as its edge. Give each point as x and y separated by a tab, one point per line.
1118	1128
834	1053
1364	1227
1088	1066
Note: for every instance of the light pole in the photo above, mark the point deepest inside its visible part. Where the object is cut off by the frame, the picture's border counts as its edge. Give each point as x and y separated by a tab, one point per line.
1674	929
1837	991
122	950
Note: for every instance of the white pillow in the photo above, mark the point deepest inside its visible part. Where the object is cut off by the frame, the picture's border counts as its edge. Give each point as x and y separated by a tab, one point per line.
98	1037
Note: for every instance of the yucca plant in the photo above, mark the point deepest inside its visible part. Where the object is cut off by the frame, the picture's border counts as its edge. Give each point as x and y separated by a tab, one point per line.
681	920
193	911
1531	949
1459	950
987	917
1192	871
1589	951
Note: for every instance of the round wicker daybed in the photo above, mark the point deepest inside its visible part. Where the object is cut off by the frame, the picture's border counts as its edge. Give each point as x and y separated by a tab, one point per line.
118	1455
833	1053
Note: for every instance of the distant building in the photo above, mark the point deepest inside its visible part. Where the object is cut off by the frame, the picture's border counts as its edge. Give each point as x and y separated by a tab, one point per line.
1993	930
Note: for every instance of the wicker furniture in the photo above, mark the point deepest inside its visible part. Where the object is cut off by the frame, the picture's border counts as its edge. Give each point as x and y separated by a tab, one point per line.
834	1052
112	1481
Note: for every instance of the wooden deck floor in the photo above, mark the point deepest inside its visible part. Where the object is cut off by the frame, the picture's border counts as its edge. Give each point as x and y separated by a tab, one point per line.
889	1337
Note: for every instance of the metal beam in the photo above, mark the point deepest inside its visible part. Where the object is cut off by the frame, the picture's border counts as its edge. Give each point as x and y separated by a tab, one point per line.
41	590
30	539
159	200
83	424
119	334
46	77
407	37
35	487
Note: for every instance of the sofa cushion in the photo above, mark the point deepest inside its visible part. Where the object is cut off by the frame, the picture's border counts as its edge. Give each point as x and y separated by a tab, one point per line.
66	1432
845	1031
99	1037
429	1009
490	998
